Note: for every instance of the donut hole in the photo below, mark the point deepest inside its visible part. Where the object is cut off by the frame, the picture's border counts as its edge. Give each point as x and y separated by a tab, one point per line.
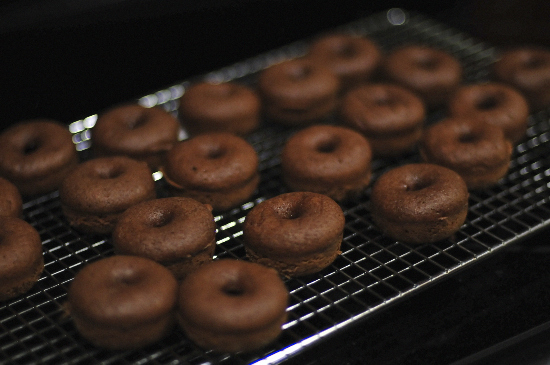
427	63
290	212
419	183
110	173
137	122
161	219
469	137
328	145
233	288
383	100
300	72
534	63
215	152
126	277
488	102
31	146
345	50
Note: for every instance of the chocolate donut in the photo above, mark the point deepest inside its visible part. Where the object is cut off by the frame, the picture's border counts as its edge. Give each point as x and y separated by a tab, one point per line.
300	91
432	73
144	134
35	155
227	107
123	302
494	103
419	203
22	260
528	70
390	116
296	233
232	306
330	160
11	204
354	59
219	169
98	191
476	150
179	233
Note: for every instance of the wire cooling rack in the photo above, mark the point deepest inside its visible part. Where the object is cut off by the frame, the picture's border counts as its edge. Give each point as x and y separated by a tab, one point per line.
372	271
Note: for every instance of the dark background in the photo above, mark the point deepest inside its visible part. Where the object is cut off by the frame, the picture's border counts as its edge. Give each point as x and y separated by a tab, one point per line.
67	59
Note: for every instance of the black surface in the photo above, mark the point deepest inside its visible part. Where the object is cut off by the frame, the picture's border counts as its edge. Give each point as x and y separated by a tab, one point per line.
495	312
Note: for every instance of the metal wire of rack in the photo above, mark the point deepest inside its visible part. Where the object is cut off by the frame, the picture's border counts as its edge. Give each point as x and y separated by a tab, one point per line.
372	271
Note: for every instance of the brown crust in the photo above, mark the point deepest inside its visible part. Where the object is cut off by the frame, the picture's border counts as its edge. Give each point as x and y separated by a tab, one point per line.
123	302
432	73
11	204
419	203
231	305
22	258
36	155
494	103
390	116
132	130
353	59
97	191
330	160
176	232
219	169
298	91
528	70
227	107
294	232
476	150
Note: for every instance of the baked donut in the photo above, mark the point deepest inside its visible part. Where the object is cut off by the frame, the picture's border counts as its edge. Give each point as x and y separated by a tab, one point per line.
299	91
35	155
232	306
177	232
476	150
219	169
123	302
227	107
144	134
432	73
494	103
528	70
22	260
390	116
354	59
11	204
296	233
325	159
98	191
419	203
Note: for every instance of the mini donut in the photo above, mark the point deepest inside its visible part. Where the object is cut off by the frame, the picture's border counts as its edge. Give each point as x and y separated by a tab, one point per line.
123	302
528	70
390	116
11	204
494	103
227	107
297	233
22	260
219	169
36	155
176	232
419	203
354	59
477	151
330	160
299	91
98	191
431	73
144	134
232	306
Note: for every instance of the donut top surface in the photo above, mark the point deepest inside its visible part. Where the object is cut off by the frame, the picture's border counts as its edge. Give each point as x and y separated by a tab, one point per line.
211	161
165	229
135	130
294	223
383	109
35	148
107	185
419	192
123	291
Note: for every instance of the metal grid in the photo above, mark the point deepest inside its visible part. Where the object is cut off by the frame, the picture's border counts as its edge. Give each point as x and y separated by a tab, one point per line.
372	270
